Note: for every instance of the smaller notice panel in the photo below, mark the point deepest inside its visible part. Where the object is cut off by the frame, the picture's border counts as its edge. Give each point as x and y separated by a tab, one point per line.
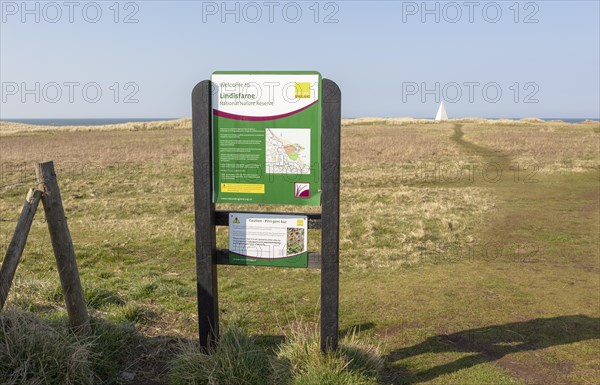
268	240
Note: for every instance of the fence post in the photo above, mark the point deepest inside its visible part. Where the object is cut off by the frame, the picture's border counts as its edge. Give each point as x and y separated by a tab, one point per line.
17	244
63	247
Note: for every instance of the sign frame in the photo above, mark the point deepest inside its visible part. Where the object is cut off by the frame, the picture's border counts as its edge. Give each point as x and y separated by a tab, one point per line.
207	217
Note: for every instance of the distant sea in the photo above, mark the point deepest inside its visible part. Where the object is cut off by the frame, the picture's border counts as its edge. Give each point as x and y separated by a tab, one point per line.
103	121
566	120
82	122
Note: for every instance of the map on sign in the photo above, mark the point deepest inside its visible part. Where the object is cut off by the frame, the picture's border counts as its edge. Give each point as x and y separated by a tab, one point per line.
288	151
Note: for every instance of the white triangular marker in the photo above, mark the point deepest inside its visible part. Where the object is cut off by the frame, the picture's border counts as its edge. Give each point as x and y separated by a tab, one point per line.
441	114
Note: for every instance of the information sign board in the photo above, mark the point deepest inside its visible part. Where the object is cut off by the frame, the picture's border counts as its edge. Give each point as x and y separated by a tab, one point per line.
267	137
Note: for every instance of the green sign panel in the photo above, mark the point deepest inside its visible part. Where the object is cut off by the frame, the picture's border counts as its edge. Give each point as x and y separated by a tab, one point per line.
267	137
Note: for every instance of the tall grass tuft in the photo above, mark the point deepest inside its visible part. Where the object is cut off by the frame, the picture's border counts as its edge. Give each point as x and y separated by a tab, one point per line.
300	361
236	361
33	352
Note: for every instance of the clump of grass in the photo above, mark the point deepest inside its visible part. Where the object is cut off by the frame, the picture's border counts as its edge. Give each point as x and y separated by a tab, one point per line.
97	297
236	361
111	342
34	352
137	314
162	287
301	362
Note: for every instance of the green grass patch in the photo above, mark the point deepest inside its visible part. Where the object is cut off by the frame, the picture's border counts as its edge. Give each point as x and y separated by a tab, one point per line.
301	362
240	360
37	351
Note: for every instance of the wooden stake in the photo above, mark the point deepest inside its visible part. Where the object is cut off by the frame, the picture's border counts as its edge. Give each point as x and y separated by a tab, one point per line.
17	244
63	248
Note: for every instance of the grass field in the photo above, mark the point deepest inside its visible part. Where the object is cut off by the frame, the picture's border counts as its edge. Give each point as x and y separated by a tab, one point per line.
469	249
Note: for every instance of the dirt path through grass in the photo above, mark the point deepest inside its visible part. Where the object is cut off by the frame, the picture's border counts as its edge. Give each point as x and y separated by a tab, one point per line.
490	155
525	304
542	242
554	216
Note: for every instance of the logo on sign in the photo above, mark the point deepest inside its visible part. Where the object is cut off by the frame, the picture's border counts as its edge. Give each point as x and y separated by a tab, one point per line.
302	190
302	90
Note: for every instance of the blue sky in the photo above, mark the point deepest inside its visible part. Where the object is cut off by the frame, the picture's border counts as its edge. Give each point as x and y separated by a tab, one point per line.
392	59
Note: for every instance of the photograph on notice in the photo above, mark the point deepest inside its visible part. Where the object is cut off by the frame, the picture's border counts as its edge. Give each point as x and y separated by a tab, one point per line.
295	240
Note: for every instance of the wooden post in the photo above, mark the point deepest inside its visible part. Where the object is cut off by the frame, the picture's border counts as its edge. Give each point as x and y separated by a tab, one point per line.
330	216
63	247
206	267
17	244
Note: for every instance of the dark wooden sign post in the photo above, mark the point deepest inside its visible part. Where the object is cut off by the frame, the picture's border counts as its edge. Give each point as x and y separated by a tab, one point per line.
207	218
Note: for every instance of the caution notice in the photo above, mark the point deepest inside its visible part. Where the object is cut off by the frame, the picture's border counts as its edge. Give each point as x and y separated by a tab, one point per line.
268	239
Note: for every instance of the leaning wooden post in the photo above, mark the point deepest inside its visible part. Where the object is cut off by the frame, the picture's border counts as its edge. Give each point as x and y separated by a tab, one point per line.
17	244
63	247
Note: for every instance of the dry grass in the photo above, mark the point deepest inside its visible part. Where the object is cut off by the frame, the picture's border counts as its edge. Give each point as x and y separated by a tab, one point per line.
96	148
410	121
12	128
384	144
553	147
110	181
40	352
393	227
33	352
129	201
393	200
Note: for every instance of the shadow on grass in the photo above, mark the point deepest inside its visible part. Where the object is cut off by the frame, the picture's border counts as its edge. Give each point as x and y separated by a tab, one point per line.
490	344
